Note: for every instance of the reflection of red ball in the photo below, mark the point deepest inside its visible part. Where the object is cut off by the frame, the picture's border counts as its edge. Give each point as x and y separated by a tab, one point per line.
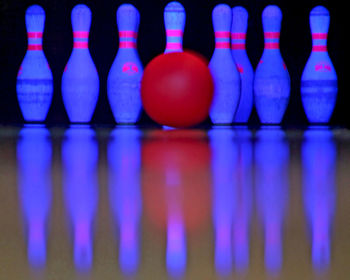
177	89
176	177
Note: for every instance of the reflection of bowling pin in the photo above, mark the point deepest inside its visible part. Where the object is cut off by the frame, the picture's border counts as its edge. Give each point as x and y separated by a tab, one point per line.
271	82
224	164
244	191
124	78
34	79
34	187
80	83
319	84
79	157
174	21
272	160
319	169
223	68
176	234
244	67
125	194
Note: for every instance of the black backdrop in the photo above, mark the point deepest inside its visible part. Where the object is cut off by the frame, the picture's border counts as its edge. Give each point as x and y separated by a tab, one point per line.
57	43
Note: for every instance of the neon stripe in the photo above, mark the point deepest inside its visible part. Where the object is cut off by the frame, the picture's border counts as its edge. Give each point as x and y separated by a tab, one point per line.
238	46
319	36
272	46
322	48
174	46
35	47
222	45
272	35
174	33
222	34
81	34
81	45
35	35
128	34
238	36
127	45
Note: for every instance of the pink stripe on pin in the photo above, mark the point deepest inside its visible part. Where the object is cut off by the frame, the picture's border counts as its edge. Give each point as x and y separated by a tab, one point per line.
174	33
81	34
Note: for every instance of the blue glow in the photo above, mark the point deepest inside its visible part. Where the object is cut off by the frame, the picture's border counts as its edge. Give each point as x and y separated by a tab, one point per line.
124	78
224	164
79	158
319	169
125	194
223	69
245	69
80	82
244	193
34	79
176	245
271	180
34	154
319	85
271	81
176	236
174	21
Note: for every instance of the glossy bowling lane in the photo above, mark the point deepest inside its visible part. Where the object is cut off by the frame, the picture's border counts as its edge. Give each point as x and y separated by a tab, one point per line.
142	203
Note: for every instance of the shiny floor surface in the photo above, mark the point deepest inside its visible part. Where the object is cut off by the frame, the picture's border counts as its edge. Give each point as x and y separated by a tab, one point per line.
131	203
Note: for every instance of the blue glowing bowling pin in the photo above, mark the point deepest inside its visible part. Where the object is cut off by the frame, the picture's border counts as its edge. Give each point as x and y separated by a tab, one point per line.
34	78
124	79
271	82
319	84
80	82
174	21
244	67
223	69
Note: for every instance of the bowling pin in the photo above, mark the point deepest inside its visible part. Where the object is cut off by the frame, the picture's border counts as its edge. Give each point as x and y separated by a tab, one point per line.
319	84
271	81
244	67
223	69
124	79
80	82
174	21
34	78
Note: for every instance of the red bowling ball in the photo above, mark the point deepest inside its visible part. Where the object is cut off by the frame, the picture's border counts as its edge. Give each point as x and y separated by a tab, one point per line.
177	89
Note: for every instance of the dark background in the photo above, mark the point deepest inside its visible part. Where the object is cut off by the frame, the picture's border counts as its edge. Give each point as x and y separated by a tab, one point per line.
295	46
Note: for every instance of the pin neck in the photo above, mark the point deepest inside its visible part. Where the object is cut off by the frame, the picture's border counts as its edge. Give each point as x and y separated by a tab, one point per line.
127	39
173	40
238	40
222	40
35	41
319	42
271	40
81	39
